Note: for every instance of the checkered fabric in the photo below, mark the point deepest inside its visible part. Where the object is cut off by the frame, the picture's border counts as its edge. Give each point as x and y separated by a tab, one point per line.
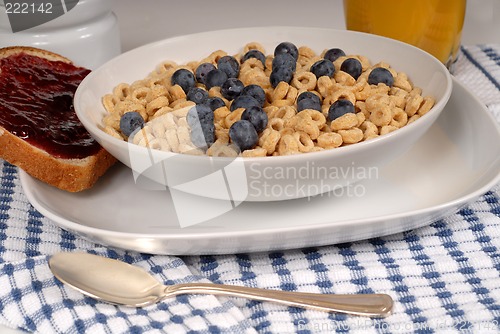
444	278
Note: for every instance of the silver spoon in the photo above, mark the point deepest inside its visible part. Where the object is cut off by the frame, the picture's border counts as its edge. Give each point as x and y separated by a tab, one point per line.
117	282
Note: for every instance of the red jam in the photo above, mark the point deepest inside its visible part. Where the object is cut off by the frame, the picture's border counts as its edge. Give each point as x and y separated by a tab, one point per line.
36	104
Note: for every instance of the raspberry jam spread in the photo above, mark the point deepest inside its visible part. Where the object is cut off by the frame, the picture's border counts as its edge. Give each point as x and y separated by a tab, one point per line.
36	104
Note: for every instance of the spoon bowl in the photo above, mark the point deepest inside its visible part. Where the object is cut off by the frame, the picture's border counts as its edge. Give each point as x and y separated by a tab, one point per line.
120	283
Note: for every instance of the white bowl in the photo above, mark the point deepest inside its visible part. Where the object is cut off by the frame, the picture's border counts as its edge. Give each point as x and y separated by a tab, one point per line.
263	178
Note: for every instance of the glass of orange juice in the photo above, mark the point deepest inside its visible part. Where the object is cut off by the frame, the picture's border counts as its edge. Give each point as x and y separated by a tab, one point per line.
432	25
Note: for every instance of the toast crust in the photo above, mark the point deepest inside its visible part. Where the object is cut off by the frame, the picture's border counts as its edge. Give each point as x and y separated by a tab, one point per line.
72	175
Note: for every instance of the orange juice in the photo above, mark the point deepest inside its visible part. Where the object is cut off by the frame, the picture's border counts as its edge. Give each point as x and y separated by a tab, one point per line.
432	25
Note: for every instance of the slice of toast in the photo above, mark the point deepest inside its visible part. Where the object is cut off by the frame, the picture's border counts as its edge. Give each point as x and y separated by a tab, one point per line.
69	173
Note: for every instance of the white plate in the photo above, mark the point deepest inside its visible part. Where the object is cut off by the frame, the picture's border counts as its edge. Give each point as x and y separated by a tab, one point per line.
456	161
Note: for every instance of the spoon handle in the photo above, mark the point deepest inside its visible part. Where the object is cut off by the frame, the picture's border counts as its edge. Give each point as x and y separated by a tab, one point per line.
372	305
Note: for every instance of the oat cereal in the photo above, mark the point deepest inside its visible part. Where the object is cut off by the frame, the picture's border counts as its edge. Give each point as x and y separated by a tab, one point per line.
255	104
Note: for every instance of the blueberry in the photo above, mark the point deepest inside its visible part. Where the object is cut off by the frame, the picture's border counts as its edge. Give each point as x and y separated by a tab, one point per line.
183	78
215	78
243	135
130	121
229	65
197	95
244	101
308	100
255	91
257	116
352	66
308	95
284	60
201	121
333	54
380	75
215	102
254	54
340	108
287	47
281	74
323	67
200	114
231	88
309	103
202	71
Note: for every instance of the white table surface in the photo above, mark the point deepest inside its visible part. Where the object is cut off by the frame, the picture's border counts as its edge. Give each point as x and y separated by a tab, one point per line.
146	21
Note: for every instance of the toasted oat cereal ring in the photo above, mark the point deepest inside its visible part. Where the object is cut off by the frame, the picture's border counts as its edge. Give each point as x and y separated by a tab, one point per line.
222	135
140	95
172	139
111	131
182	112
343	94
109	101
304	141
250	64
283	103
159	144
181	104
256	152
413	103
221	113
324	85
375	100
166	66
143	137
214	57
361	118
413	118
387	129
369	128
287	131
399	117
361	106
128	105
288	145
280	91
304	81
276	124
269	139
112	120
283	112
308	126
176	92
344	79
329	140
184	136
156	104
344	122
427	104
233	117
381	115
307	52
158	129
254	46
351	136
401	81
156	91
121	91
314	115
223	150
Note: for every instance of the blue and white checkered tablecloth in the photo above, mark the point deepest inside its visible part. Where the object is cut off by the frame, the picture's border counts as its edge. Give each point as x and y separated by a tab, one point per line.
445	277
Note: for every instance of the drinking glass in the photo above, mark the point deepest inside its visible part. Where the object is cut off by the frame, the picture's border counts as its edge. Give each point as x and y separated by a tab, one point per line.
432	25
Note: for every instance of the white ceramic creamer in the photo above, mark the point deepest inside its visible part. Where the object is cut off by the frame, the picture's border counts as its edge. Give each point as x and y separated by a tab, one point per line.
86	31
